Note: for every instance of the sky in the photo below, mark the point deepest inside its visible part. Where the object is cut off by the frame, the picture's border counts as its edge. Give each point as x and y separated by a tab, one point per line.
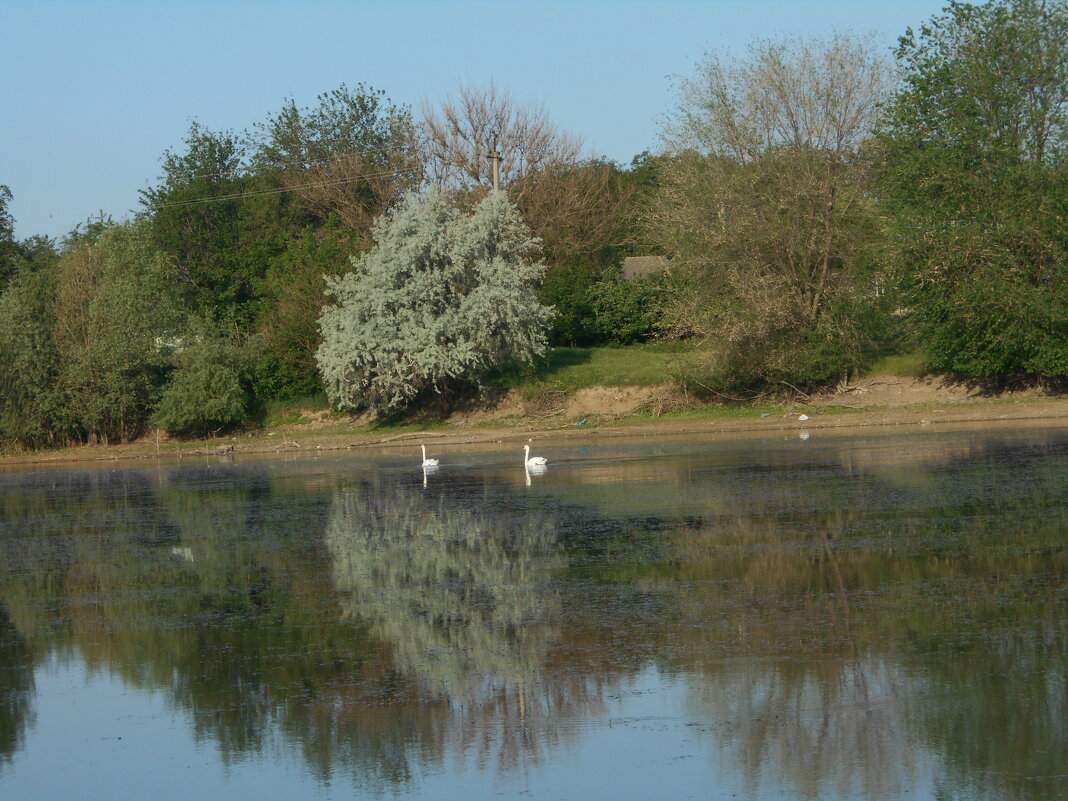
93	93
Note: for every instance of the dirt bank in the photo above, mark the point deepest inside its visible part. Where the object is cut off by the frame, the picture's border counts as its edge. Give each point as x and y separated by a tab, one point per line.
876	401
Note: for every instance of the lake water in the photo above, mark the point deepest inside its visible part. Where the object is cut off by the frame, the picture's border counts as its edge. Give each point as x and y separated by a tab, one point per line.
878	616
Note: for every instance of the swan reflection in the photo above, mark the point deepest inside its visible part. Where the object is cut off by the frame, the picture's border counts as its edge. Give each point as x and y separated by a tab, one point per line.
429	470
534	470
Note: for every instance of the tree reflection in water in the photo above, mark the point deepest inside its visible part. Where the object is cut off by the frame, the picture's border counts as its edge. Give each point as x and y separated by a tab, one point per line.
463	596
16	687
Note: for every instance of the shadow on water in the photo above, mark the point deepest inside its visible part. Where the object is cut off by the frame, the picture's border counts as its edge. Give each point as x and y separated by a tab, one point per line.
831	613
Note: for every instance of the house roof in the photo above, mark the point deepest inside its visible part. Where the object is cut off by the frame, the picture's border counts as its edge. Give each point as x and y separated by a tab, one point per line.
637	266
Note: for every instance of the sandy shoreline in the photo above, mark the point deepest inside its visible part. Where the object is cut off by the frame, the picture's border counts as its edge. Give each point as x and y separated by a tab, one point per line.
335	435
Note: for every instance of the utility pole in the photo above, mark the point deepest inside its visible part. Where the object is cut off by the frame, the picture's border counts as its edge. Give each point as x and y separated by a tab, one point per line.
495	159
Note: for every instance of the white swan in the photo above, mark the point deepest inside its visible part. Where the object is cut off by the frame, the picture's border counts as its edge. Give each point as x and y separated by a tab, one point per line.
532	461
428	462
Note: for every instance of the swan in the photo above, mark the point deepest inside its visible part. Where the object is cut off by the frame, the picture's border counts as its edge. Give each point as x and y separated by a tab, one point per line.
533	461
428	462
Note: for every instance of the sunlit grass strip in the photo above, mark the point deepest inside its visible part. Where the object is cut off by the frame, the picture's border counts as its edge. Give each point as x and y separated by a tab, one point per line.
646	364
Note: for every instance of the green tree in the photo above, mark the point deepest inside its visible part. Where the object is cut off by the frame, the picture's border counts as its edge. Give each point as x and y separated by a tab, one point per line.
581	214
31	403
9	249
220	223
352	156
289	333
211	388
116	306
762	206
441	298
627	311
974	167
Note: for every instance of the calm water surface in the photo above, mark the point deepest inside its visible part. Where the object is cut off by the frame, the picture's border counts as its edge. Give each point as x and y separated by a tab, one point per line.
842	617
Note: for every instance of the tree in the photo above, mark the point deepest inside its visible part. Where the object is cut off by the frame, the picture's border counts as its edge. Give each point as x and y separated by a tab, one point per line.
211	387
195	212
580	212
974	168
440	298
460	136
626	311
578	208
116	303
220	222
354	155
289	332
9	249
763	209
31	403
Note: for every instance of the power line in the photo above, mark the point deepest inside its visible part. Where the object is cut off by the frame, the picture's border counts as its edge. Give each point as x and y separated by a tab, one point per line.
280	189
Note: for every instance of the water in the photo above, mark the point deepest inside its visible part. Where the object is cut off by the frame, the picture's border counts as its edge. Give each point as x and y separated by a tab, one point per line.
842	617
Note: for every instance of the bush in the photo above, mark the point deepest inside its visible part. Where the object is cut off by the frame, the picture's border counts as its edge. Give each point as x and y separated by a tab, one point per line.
209	391
626	311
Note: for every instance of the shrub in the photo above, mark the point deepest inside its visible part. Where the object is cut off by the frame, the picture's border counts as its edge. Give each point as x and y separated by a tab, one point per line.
210	389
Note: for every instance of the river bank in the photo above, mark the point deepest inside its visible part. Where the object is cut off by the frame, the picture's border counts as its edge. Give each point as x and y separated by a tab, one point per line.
873	402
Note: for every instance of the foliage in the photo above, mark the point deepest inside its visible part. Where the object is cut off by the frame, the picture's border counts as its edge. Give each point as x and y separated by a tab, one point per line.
627	311
115	303
566	288
580	212
219	223
441	298
351	157
763	207
79	348
33	253
9	249
209	390
974	167
30	402
289	333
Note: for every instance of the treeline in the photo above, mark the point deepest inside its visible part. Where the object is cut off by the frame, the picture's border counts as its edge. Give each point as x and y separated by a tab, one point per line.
813	202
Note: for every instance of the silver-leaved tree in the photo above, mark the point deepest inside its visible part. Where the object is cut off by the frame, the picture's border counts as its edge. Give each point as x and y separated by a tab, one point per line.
442	298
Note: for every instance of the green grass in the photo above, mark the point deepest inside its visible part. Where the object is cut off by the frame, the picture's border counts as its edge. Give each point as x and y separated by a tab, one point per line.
574	368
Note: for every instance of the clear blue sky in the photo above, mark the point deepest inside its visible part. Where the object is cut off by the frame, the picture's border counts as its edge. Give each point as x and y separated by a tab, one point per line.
94	92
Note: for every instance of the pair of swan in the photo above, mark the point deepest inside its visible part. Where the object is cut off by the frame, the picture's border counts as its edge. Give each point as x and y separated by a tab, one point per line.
528	460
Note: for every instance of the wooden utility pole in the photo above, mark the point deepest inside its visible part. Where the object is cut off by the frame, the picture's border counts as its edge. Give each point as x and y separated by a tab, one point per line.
495	159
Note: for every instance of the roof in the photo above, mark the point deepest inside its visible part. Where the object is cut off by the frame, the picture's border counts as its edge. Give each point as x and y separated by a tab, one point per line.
637	266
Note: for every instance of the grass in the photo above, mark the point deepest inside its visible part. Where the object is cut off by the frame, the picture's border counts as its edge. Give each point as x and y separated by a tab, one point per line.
653	363
640	365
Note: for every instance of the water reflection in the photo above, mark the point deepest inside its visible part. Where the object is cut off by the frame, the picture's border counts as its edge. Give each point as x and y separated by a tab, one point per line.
839	618
16	687
460	594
